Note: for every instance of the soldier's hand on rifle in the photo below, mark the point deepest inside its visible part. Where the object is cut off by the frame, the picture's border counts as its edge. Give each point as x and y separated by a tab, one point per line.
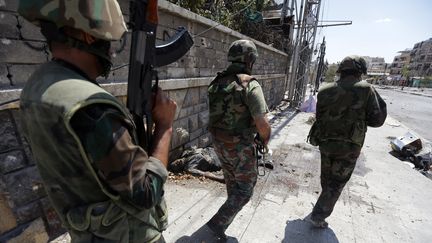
164	110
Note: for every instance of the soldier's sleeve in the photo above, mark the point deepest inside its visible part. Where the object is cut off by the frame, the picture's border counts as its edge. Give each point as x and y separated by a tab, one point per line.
376	112
124	166
255	99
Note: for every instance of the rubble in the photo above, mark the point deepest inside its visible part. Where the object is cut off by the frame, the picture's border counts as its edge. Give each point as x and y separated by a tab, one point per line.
410	148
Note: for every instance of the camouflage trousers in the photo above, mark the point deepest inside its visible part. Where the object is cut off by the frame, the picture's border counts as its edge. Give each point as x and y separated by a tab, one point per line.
240	173
337	164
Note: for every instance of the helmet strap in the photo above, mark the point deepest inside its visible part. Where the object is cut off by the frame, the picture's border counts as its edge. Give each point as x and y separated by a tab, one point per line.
100	48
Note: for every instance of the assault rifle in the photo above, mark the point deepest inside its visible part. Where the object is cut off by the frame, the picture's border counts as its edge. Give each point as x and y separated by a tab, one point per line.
145	56
261	151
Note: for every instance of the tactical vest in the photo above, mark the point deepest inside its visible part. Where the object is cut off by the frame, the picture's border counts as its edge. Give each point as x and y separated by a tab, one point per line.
230	119
342	113
88	209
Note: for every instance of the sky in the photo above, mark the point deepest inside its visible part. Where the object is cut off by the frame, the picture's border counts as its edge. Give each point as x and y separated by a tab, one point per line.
380	28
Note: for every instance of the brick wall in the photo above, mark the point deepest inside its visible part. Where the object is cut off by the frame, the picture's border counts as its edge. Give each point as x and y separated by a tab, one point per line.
26	214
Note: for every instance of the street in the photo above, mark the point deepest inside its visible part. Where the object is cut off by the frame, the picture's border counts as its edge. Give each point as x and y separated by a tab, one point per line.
412	110
385	200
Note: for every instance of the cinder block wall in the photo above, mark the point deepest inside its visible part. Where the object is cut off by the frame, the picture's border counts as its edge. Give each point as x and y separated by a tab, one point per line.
25	212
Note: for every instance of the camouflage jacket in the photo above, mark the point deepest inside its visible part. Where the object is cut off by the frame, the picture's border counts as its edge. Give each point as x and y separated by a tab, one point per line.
344	110
99	181
234	100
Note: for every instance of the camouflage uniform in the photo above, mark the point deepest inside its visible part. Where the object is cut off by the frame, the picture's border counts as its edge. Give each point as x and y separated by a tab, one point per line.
104	187
344	110
234	99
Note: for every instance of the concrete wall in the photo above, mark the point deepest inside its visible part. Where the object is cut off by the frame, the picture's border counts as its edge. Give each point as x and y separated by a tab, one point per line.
26	214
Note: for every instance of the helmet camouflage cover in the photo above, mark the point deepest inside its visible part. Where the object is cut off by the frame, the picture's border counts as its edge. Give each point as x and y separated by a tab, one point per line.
101	19
355	63
242	51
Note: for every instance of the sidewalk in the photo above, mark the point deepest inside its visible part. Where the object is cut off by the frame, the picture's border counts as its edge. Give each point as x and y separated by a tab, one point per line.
385	200
427	92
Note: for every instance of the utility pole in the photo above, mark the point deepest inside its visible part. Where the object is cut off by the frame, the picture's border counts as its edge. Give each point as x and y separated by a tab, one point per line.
320	61
295	51
284	10
304	45
290	45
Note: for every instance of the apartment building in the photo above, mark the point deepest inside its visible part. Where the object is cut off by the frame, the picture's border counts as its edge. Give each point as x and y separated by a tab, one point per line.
376	65
421	59
400	61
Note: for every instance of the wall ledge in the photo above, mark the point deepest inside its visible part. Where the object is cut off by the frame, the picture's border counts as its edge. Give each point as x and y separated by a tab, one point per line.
120	89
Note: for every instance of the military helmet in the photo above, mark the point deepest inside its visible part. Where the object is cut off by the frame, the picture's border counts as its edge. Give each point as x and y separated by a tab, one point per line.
243	51
101	19
353	63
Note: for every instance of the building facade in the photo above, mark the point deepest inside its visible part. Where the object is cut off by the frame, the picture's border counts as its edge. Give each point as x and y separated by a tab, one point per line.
376	66
400	62
421	59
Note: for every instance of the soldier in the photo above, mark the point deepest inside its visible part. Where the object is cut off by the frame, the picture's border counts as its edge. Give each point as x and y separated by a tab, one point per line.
104	187
237	112
344	110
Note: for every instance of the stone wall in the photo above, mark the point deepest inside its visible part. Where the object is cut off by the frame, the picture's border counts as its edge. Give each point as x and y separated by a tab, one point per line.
26	214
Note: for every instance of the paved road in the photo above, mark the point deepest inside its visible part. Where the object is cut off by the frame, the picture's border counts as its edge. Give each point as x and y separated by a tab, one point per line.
412	110
385	200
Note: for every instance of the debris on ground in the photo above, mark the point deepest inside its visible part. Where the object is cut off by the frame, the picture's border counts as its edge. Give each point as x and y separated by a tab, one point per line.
407	144
410	148
281	111
184	176
309	105
199	162
311	120
204	164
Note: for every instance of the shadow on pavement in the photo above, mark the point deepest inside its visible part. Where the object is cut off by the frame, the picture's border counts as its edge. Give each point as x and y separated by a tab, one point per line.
302	231
288	115
203	234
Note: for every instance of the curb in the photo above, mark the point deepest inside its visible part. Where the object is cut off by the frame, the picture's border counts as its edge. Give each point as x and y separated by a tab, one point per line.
405	91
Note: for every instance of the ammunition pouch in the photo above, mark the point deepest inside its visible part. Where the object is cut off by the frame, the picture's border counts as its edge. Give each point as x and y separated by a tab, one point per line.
111	222
347	131
104	220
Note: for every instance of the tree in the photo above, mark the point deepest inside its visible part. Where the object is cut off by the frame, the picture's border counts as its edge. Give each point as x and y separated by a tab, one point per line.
331	73
224	12
405	71
243	16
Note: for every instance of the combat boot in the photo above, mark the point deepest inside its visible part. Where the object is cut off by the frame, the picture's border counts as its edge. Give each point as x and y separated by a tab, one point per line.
217	231
318	223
